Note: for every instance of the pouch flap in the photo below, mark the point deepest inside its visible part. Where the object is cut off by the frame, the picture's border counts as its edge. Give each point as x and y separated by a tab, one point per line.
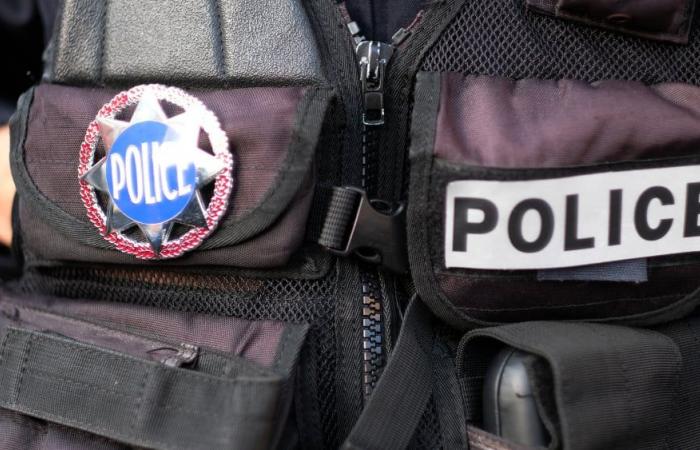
621	382
272	135
102	370
512	177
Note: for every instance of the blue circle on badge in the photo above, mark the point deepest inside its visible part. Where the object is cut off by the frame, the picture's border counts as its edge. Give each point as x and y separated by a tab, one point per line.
149	177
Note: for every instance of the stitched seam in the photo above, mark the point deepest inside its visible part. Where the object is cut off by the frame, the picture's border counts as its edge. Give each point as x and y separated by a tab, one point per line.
56	378
626	377
23	369
282	349
618	300
138	403
103	39
676	387
89	324
3	345
139	399
221	62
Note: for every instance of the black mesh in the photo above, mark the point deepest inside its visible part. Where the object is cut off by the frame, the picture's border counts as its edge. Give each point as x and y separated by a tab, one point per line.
285	299
428	435
502	38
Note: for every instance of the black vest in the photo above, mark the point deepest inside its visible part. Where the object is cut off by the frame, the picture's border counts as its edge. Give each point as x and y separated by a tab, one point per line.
327	295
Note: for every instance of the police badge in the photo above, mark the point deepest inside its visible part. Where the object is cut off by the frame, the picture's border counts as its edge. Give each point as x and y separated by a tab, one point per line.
153	172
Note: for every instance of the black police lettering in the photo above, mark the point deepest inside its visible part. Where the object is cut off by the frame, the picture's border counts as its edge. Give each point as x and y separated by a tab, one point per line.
615	219
641	223
573	221
571	239
692	210
462	225
515	225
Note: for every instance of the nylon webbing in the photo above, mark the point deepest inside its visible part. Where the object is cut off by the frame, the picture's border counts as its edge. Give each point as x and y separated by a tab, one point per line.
396	406
134	401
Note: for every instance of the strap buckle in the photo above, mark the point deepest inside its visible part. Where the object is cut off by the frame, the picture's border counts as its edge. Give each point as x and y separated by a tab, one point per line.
377	234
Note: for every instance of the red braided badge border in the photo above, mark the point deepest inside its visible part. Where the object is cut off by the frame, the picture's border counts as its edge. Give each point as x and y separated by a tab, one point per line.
222	186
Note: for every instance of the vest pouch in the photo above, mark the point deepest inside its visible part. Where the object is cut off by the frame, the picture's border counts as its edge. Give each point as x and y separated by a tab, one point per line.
272	134
568	200
91	374
595	386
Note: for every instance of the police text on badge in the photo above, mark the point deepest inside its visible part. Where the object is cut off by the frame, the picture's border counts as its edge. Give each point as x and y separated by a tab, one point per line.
143	173
572	221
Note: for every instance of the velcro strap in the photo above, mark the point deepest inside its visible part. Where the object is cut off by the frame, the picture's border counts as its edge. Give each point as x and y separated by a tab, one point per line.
135	401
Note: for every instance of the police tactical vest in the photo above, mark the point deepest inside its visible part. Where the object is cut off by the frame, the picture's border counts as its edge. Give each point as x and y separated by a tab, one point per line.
243	224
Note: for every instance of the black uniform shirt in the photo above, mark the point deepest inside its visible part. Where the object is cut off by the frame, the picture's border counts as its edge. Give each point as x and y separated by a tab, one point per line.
25	27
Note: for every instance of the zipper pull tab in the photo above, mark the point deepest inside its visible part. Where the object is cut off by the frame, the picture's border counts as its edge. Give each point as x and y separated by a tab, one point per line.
186	355
373	59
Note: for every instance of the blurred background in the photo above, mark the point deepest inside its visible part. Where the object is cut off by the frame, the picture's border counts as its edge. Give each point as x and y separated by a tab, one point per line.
25	27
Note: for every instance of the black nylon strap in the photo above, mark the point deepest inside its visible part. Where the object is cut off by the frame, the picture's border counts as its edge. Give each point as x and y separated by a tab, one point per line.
397	404
134	401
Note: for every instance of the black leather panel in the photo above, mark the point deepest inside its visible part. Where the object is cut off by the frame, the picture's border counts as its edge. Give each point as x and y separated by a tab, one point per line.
77	43
270	39
185	42
161	40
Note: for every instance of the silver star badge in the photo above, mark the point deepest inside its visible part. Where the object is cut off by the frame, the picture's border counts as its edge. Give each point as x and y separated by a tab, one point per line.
184	134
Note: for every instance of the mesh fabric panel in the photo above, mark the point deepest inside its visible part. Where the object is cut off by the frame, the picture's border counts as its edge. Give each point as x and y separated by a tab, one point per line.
428	435
502	38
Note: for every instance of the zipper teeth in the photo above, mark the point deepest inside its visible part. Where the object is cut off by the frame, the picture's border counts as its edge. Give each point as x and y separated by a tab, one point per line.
372	299
365	158
372	331
369	159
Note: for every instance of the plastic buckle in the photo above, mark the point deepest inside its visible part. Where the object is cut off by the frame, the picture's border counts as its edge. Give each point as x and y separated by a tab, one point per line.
378	234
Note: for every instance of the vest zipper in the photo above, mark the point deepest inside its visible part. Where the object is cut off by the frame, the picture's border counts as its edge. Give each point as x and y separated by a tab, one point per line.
372	58
382	95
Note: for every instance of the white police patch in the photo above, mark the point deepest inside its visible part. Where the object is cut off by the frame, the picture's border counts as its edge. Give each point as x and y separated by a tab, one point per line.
153	171
572	221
